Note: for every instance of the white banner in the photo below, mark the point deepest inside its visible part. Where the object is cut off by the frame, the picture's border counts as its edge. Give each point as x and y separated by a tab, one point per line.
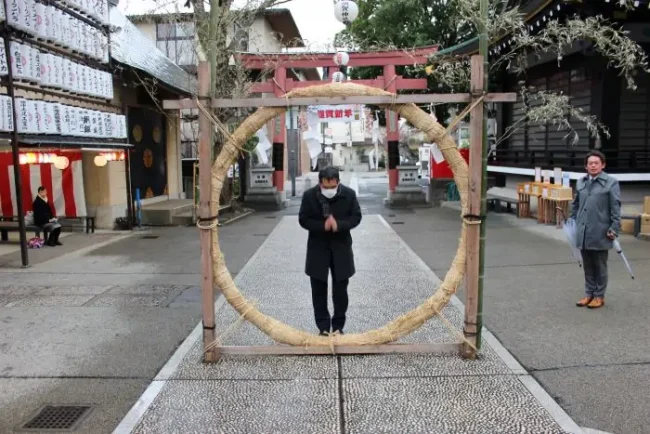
337	113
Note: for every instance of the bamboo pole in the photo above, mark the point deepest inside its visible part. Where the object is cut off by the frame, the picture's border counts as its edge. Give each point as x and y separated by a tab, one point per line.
471	328
205	188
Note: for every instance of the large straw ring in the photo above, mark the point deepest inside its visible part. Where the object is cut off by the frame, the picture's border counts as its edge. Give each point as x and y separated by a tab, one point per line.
398	327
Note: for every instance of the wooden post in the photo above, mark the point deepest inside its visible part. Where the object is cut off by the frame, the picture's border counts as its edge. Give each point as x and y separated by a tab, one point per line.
471	327
205	193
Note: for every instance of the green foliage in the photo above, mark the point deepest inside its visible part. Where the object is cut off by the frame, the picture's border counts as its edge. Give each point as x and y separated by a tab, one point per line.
405	25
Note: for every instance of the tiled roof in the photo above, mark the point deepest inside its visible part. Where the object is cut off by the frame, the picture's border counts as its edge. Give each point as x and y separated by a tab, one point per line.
130	47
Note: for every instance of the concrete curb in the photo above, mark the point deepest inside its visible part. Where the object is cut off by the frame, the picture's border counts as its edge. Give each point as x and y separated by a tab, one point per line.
557	413
135	414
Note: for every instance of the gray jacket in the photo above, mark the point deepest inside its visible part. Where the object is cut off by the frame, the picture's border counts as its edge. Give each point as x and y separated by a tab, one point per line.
596	209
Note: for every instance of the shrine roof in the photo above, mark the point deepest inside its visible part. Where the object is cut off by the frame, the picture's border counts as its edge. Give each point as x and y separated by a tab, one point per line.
131	47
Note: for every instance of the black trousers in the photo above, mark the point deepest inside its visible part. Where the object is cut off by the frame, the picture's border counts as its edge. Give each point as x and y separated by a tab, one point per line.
324	322
54	233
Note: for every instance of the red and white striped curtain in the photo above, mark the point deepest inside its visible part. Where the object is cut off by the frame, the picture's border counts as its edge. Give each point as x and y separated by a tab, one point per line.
65	187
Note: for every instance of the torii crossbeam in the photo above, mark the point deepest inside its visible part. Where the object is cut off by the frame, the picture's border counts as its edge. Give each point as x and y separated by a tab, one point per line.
477	163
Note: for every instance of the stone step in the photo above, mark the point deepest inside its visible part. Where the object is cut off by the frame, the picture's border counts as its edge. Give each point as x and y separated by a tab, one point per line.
162	213
183	219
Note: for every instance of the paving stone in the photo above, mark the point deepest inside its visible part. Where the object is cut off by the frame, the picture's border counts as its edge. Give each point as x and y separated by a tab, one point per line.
146	289
477	405
295	406
128	301
422	365
255	367
416	393
52	300
20	289
8	299
74	290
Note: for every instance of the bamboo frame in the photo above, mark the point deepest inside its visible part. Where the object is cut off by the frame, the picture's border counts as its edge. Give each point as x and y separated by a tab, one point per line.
213	352
374	100
205	187
476	126
285	350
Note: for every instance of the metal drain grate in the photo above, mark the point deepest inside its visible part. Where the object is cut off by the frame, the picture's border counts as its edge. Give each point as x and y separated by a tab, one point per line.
398	223
57	418
271	217
149	237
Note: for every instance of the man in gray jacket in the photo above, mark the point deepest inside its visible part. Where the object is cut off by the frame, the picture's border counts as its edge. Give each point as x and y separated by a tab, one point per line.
596	209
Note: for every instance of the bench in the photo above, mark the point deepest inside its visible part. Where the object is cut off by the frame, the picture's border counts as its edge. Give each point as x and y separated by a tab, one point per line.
11	225
497	195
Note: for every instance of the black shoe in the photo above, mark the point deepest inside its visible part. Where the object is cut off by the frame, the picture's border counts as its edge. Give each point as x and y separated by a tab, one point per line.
58	243
339	332
323	333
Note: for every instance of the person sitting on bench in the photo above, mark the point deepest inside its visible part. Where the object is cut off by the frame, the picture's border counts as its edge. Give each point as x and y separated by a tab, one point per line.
44	218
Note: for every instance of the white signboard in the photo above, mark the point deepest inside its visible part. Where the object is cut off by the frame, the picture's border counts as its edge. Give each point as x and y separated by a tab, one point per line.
337	113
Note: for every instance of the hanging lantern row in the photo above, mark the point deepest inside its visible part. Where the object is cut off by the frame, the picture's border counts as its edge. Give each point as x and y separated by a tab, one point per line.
103	158
36	158
59	161
346	11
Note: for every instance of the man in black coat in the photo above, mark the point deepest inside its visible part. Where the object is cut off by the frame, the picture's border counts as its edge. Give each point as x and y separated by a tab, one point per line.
329	212
44	217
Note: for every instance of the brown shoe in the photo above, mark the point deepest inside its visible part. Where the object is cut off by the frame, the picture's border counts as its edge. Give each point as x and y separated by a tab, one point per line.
584	301
596	303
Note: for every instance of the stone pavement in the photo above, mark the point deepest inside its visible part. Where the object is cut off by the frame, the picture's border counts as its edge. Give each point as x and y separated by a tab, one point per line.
96	325
341	394
594	363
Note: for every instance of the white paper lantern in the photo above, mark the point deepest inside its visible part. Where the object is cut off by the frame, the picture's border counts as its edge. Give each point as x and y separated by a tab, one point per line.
4	68
39	21
65	72
341	58
100	160
49	23
346	11
37	65
21	115
18	62
57	71
28	22
50	127
16	14
73	125
3	15
61	162
45	69
7	110
32	124
40	117
338	77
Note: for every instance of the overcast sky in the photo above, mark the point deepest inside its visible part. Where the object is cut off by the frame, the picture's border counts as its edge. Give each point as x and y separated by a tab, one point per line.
315	18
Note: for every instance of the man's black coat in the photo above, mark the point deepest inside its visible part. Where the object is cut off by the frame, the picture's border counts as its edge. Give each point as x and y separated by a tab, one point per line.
325	246
42	212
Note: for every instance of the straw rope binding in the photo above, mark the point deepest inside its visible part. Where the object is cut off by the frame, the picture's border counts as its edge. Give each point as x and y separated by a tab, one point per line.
398	327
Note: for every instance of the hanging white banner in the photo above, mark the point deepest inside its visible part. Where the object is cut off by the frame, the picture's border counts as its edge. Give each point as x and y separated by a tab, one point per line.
337	113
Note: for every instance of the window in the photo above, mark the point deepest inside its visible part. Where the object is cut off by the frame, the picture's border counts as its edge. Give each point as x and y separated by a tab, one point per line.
177	41
241	37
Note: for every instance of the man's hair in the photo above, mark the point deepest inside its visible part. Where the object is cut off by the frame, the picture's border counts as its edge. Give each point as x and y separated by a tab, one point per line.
595	154
328	173
41	188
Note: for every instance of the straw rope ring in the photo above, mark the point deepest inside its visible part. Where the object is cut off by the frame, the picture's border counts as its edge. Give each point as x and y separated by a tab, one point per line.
398	327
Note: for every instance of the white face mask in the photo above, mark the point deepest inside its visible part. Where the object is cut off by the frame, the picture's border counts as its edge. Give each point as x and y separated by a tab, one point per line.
329	192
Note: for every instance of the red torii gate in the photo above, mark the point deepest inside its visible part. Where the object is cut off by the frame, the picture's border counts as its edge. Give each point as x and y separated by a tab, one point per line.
390	81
